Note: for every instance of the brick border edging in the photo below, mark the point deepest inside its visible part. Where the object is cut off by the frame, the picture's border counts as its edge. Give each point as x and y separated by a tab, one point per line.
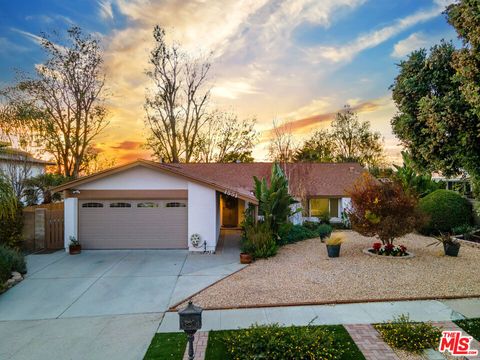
199	346
370	343
311	303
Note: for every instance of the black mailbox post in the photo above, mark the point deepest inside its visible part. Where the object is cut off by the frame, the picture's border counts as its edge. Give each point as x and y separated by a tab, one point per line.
190	322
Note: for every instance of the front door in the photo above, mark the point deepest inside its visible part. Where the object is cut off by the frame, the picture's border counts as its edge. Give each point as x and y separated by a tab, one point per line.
229	211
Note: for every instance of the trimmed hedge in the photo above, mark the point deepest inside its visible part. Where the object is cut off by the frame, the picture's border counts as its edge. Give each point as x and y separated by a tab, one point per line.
289	234
293	233
10	260
445	210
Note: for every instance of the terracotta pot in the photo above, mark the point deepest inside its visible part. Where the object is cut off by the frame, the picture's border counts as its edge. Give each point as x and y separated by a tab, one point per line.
245	258
75	249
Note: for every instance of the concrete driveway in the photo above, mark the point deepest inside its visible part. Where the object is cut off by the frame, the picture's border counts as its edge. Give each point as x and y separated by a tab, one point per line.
101	304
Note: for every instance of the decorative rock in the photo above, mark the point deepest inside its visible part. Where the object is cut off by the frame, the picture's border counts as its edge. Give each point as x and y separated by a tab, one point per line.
17	276
10	282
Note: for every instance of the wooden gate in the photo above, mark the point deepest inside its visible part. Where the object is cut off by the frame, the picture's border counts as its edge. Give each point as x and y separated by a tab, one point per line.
44	226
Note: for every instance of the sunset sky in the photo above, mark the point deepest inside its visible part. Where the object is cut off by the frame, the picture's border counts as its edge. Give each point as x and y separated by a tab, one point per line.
298	60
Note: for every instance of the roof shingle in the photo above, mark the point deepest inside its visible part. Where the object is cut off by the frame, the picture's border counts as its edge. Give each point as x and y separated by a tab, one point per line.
305	179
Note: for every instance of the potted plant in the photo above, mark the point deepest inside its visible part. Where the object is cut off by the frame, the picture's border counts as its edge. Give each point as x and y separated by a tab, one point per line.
451	246
74	248
247	250
334	243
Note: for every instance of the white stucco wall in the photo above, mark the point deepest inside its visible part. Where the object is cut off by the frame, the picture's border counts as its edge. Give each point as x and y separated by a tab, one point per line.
202	218
137	178
71	220
218	219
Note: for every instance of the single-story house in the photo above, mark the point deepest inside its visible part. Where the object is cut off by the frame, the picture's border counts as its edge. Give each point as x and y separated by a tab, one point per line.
150	205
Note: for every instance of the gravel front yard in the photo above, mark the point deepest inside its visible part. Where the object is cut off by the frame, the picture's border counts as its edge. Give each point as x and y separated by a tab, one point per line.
302	273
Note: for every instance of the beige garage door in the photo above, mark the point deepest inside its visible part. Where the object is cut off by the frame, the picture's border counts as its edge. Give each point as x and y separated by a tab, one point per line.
132	224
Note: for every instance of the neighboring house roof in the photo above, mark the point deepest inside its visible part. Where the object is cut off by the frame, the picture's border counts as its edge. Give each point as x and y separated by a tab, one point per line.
16	155
305	179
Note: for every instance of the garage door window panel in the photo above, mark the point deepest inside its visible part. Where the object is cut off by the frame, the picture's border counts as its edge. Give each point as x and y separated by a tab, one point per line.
120	205
92	205
147	205
175	204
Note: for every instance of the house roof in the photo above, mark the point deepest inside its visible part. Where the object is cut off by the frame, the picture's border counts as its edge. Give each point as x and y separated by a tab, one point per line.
305	179
17	155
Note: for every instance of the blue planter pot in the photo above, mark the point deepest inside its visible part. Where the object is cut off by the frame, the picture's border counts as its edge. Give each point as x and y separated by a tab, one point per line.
333	250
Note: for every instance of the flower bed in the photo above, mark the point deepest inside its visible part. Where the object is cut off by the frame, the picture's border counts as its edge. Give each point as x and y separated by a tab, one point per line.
388	250
404	334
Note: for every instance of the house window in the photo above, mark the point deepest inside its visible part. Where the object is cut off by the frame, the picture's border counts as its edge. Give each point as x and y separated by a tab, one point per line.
175	204
92	205
120	205
147	205
318	207
322	206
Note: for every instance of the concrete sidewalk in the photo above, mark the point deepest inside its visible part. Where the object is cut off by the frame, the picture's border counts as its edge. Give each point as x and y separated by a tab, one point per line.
362	313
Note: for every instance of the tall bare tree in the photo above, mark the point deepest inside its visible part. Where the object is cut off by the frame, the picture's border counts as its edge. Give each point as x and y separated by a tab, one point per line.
176	108
226	138
63	104
17	170
282	146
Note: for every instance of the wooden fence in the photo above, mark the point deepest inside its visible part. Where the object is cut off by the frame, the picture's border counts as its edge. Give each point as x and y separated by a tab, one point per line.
44	227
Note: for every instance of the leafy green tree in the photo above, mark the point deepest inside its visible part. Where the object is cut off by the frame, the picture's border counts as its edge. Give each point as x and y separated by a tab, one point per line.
414	182
274	200
319	148
348	140
464	17
437	97
354	141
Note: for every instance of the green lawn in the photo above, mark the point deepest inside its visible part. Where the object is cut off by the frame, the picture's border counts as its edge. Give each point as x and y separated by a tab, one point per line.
167	346
471	326
217	350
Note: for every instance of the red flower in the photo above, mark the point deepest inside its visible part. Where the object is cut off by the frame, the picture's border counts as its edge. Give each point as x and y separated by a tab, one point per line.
389	247
403	248
377	246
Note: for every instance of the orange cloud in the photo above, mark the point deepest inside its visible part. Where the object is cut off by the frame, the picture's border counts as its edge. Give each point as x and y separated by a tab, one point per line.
300	125
127	145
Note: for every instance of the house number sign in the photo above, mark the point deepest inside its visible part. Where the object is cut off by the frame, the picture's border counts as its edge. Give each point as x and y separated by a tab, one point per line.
230	193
